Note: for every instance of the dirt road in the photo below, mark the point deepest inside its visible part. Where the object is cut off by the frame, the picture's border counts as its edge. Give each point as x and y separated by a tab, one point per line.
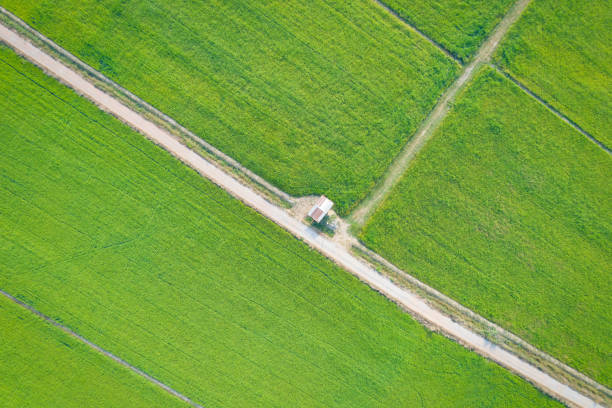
334	251
401	163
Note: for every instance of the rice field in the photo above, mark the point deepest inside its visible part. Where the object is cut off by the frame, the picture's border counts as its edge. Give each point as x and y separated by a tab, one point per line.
561	50
42	366
316	97
110	235
460	26
507	210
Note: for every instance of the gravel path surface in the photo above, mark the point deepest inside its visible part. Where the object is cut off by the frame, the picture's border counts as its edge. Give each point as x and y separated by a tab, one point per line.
333	251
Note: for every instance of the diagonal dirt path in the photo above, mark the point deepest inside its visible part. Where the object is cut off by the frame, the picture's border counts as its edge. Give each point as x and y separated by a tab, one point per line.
403	160
337	253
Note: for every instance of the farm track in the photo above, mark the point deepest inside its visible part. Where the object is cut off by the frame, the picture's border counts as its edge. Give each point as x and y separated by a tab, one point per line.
101	350
339	254
427	129
166	120
553	109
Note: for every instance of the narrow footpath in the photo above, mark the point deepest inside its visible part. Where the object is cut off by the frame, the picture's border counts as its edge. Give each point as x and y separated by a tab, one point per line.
414	145
280	216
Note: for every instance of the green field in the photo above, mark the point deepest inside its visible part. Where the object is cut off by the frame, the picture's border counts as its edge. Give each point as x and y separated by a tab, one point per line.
42	366
561	50
507	210
107	233
460	26
316	97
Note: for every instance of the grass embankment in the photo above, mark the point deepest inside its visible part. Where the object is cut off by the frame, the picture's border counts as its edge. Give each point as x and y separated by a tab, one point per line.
560	49
316	97
508	210
460	26
41	366
109	234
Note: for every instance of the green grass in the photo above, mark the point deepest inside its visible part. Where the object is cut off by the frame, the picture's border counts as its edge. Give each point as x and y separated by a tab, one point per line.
507	210
317	97
109	234
42	366
460	26
561	49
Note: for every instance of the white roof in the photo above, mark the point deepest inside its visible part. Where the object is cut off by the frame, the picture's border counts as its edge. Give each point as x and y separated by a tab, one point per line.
325	204
320	209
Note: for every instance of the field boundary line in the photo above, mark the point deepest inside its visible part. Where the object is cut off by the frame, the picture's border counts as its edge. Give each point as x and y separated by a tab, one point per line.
339	254
151	112
412	27
100	350
403	160
551	108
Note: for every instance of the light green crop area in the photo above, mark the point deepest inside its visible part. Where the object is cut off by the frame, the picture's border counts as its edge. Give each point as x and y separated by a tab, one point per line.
561	49
107	233
315	96
508	210
41	366
460	26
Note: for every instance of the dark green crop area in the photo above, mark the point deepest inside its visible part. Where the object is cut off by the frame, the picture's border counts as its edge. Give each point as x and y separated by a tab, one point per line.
507	210
41	366
561	49
315	96
110	235
460	26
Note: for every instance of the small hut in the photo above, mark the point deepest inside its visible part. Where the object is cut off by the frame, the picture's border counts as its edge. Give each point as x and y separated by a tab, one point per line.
320	209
